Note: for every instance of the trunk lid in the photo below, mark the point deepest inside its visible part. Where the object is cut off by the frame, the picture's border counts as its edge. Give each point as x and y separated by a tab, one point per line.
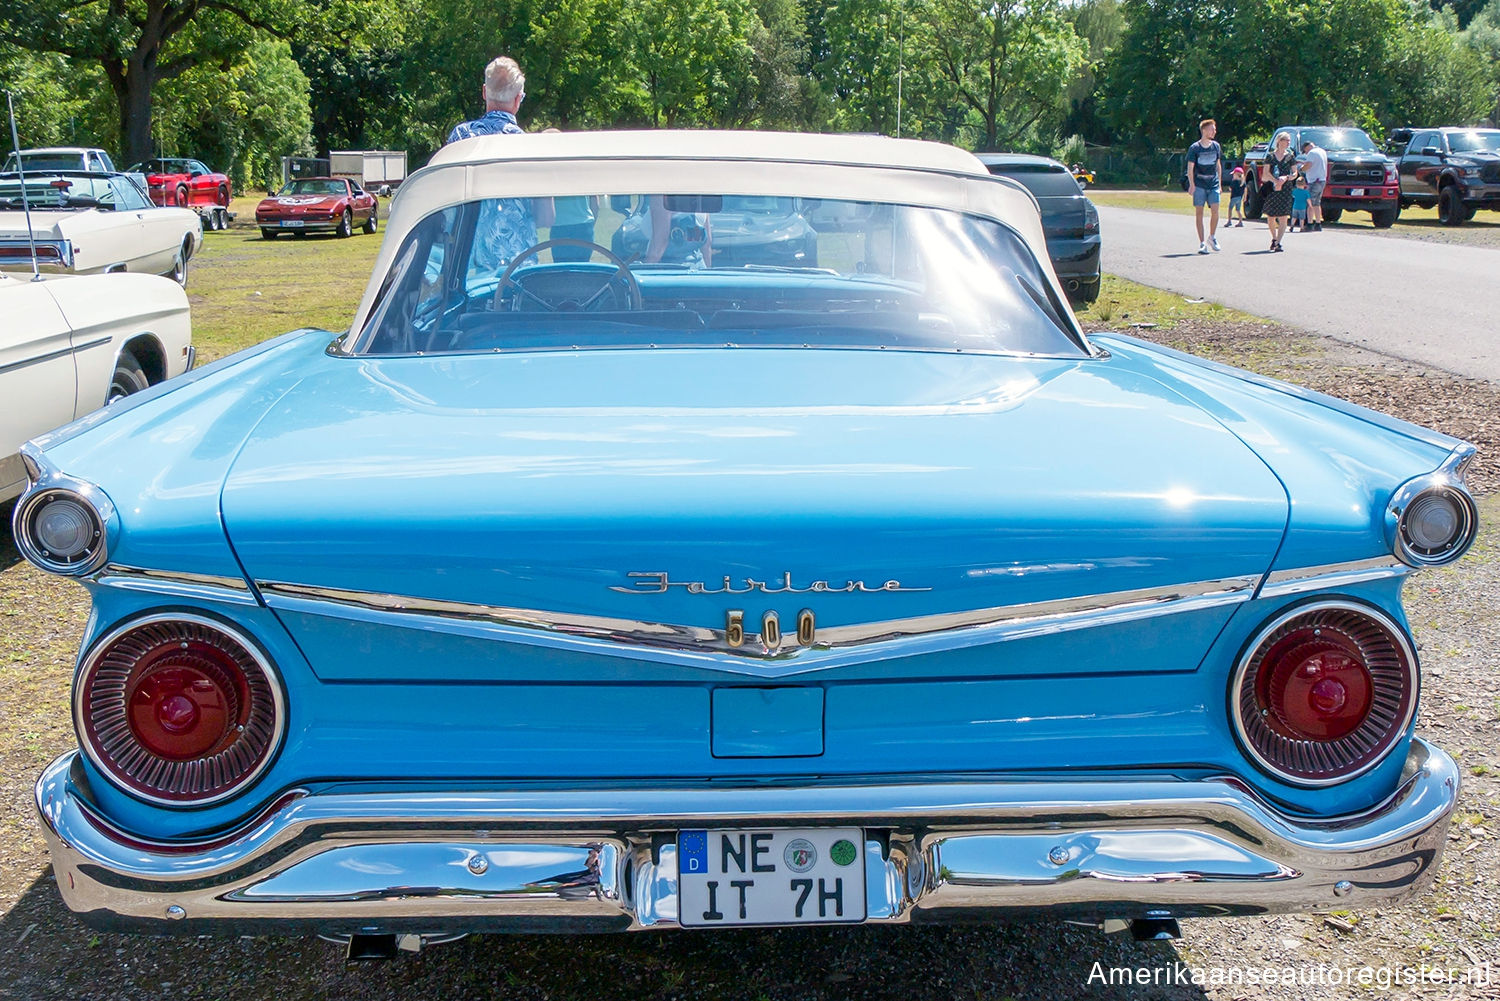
605	483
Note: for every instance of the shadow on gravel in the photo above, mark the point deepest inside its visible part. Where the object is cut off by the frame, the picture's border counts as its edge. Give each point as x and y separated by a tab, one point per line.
9	555
48	955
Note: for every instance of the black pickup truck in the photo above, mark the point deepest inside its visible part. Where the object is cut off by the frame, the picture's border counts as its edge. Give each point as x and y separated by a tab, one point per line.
1360	177
1456	170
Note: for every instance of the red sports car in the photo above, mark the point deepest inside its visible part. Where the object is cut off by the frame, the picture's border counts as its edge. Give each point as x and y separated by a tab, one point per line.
186	184
317	204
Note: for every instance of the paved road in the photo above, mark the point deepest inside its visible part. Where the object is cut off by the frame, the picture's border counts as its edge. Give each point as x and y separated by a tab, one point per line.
1435	304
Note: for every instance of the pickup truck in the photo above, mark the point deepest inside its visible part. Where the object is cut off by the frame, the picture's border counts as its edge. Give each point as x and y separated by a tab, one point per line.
1455	170
89	159
1360	177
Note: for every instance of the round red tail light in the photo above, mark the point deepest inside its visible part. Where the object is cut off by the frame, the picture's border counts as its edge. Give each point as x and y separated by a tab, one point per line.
178	709
1324	692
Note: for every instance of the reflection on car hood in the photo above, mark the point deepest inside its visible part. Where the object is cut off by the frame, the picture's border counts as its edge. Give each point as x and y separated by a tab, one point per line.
543	481
299	201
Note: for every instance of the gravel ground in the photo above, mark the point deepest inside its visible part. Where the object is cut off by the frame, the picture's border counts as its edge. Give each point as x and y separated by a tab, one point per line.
46	954
1423	224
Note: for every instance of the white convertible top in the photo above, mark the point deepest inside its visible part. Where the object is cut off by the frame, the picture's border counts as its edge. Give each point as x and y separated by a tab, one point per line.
787	164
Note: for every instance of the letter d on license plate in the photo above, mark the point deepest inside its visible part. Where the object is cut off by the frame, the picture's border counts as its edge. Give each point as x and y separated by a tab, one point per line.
776	877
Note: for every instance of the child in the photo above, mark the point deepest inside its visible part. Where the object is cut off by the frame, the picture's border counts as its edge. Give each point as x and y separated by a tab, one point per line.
1237	196
1300	195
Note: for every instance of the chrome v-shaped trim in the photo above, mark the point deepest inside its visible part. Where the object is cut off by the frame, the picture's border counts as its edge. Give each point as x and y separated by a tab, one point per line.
833	646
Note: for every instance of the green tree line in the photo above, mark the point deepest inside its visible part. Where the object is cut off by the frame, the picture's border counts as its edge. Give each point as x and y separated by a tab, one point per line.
240	83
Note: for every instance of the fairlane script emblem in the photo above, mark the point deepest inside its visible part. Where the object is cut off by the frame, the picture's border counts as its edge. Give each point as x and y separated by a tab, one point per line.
654	582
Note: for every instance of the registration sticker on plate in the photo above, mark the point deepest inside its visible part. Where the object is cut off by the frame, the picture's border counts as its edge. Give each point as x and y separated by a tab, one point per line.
296	223
777	877
1356	192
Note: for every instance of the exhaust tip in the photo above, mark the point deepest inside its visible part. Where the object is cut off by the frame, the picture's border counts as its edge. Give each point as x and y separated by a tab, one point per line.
363	948
1155	929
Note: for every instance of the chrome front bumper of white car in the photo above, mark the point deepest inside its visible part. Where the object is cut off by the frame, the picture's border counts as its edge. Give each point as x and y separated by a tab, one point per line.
342	861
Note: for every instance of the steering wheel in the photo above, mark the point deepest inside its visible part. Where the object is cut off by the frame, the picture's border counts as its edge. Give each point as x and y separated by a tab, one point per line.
622	271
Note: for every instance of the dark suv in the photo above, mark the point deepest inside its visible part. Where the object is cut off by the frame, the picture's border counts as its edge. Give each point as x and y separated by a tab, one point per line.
1360	177
1456	170
1069	220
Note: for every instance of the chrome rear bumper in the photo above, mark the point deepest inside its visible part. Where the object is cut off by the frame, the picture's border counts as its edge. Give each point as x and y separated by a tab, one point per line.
341	862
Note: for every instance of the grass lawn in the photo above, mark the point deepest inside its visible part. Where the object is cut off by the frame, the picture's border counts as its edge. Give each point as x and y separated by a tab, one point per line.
1124	304
1159	201
245	289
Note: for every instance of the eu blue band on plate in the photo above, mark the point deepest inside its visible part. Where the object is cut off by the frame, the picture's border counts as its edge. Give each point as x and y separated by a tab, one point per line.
692	851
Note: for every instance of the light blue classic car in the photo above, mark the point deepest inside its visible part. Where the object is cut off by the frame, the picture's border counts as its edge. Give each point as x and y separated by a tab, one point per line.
585	595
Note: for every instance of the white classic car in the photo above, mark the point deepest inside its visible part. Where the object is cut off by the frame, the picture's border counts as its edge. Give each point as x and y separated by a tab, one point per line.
72	344
92	223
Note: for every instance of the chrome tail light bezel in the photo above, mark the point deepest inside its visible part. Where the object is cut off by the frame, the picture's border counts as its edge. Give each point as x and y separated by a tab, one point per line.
128	775
1446	482
92	500
1275	753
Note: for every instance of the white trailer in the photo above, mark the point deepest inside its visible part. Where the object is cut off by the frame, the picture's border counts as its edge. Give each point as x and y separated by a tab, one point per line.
375	169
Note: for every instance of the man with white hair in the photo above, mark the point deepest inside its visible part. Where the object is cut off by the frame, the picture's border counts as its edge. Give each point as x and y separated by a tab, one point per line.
504	89
506	226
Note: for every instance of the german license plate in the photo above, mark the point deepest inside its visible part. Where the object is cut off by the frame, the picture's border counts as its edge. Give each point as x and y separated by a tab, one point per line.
1356	192
292	223
775	877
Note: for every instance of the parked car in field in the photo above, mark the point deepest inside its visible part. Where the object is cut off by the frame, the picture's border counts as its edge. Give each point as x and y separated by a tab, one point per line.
92	223
603	596
1455	170
318	205
184	183
1068	218
69	345
48	159
1360	177
83	159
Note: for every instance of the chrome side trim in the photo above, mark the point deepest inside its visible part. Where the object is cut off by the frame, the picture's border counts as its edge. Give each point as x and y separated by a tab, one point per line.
343	859
49	356
1330	576
835	645
198	586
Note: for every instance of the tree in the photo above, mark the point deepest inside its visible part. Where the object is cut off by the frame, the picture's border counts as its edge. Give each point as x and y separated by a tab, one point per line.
243	119
1438	77
693	57
54	99
141	43
881	76
1358	62
1009	62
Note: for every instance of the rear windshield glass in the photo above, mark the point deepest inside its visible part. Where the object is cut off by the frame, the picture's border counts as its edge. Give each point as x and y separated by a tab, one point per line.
70	191
652	270
1042	181
1339	139
1473	142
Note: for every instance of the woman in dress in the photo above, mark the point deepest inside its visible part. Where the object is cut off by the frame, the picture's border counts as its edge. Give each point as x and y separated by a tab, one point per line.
1280	171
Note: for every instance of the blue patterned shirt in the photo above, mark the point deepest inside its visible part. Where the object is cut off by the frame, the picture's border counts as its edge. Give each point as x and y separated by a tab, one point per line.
493	123
506	226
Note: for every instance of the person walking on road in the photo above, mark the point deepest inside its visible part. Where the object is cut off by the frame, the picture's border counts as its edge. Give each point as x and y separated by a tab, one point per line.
1315	168
1236	198
1205	174
1280	169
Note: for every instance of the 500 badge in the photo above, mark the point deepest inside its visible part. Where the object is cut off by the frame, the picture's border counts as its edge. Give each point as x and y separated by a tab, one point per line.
770	628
